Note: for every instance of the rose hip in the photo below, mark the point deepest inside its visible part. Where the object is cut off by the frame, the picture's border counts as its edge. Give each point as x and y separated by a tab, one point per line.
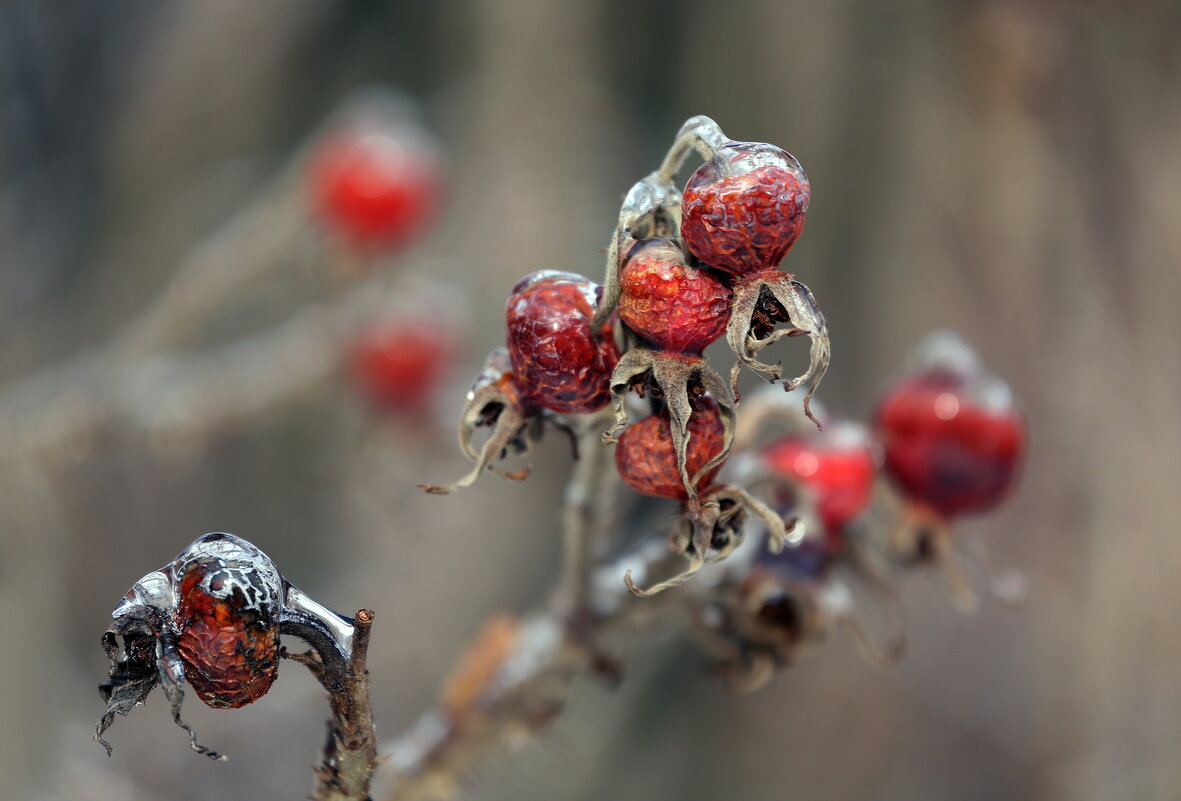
399	364
229	644
647	460
836	466
558	362
374	184
744	208
675	307
953	441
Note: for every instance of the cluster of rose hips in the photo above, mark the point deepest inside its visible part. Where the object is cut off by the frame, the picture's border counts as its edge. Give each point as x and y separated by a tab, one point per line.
946	440
682	270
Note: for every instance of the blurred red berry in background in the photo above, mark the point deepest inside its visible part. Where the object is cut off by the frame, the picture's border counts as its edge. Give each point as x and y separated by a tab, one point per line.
375	184
836	465
400	364
953	440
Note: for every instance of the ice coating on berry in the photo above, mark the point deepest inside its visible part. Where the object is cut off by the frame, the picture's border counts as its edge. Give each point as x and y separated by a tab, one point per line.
743	209
647	460
835	465
557	361
677	308
228	619
953	442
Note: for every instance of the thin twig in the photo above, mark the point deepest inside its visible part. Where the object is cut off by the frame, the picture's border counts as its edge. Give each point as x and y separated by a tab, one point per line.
350	753
48	416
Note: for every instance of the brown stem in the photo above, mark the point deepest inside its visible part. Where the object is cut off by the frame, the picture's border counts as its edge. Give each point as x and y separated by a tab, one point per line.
350	753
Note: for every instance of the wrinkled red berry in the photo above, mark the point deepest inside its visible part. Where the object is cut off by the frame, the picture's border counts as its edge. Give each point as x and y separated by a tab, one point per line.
675	307
647	460
375	185
836	465
952	441
399	364
229	632
743	209
557	361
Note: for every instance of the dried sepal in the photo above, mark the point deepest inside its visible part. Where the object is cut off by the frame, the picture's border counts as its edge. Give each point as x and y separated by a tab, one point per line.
493	401
680	380
716	534
762	302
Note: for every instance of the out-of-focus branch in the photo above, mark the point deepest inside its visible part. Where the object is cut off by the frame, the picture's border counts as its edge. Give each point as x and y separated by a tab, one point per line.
54	413
516	676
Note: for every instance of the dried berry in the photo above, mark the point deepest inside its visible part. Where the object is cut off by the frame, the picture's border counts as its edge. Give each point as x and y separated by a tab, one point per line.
953	441
744	208
375	183
647	460
212	616
228	619
559	363
675	307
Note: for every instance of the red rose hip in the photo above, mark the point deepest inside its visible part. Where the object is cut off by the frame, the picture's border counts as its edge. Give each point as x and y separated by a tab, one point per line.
647	460
558	362
836	466
953	441
677	308
399	364
229	642
374	183
743	209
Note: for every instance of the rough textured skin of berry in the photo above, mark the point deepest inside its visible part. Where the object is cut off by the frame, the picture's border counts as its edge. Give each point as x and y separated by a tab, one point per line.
838	474
374	188
677	308
647	460
558	363
742	216
228	641
943	448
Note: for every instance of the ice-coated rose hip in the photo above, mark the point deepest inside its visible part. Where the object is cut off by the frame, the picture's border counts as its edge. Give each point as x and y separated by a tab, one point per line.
744	208
647	460
953	440
675	307
213	617
228	619
558	362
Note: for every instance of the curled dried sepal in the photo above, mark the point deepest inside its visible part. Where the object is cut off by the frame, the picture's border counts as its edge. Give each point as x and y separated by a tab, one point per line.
493	401
682	381
762	302
213	617
717	533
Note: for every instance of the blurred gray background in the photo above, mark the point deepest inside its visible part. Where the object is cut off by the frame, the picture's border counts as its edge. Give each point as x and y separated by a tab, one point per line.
1009	170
